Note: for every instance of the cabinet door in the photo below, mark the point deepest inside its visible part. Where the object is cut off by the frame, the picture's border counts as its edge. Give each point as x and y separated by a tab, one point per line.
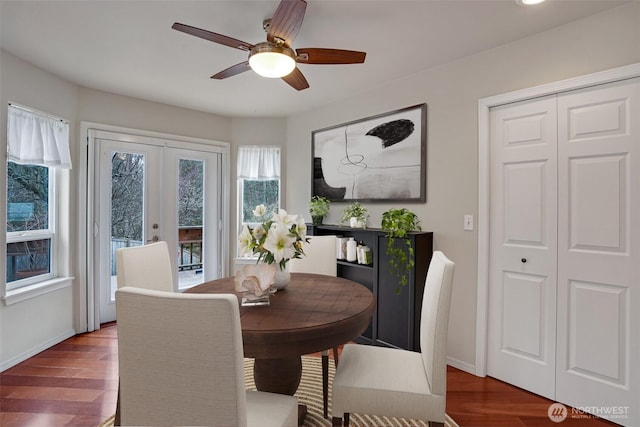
364	276
395	311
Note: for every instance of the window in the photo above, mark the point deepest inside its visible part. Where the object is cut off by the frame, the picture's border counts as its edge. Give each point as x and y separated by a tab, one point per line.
259	192
29	220
258	180
37	145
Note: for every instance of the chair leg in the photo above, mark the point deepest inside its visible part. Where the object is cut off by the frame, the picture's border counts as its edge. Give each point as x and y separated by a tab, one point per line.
116	418
325	383
337	422
325	379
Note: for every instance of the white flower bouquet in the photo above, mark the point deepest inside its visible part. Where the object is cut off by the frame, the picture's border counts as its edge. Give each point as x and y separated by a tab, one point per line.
277	239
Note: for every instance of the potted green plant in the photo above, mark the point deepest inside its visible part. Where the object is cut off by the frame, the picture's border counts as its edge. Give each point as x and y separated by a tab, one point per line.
356	214
397	223
319	209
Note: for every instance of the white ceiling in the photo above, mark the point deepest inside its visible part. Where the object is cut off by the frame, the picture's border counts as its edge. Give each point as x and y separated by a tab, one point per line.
129	48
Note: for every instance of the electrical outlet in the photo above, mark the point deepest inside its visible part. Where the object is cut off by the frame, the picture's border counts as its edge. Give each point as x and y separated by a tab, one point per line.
468	222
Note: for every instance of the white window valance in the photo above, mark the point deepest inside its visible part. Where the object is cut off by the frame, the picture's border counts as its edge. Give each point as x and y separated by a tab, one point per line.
37	139
258	162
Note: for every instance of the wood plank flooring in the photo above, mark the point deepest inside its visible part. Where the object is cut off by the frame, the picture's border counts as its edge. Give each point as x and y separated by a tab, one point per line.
75	384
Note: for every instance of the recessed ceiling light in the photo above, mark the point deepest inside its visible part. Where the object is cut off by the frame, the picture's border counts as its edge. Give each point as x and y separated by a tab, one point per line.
529	2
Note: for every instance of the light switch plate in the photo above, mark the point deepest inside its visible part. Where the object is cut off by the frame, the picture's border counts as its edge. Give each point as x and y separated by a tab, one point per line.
468	222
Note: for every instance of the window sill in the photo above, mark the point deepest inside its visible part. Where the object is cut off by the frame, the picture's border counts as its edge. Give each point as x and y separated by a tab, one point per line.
37	289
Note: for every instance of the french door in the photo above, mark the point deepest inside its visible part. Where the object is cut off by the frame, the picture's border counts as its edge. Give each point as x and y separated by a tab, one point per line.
147	190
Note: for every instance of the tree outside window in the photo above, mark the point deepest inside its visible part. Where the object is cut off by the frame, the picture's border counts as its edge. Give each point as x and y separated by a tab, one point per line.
256	192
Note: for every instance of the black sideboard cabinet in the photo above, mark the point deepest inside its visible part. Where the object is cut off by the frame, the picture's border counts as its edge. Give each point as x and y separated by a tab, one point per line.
396	320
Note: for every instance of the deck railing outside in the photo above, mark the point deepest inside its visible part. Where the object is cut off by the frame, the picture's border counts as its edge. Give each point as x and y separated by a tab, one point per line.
189	251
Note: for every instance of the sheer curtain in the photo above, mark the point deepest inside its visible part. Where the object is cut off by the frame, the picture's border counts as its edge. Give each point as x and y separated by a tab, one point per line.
258	162
36	139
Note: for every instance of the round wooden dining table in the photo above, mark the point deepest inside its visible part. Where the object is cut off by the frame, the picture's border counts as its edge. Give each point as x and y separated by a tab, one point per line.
314	313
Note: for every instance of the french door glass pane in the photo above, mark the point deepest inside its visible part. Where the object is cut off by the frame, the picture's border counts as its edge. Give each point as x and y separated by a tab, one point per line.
127	205
190	222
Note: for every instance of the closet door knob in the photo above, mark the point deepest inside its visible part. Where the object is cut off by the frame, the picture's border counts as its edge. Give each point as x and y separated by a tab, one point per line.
523	260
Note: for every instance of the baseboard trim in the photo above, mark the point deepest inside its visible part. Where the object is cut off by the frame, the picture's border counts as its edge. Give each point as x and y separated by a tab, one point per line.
35	350
463	366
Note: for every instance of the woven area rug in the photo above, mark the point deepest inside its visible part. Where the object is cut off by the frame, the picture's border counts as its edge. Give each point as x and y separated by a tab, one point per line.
310	393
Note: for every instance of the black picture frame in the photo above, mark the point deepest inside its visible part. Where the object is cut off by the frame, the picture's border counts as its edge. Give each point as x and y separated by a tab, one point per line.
381	158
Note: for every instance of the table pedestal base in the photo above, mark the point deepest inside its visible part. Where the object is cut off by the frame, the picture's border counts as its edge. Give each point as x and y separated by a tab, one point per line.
280	376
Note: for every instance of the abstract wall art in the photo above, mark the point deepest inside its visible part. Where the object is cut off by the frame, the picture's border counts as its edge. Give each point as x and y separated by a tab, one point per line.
376	159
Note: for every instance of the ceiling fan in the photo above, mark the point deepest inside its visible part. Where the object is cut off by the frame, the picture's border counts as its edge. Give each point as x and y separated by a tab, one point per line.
275	57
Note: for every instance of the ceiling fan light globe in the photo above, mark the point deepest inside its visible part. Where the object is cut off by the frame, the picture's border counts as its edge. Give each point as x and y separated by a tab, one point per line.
271	60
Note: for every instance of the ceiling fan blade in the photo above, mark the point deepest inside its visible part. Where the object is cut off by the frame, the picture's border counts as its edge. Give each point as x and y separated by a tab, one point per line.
329	56
212	37
232	71
296	80
286	21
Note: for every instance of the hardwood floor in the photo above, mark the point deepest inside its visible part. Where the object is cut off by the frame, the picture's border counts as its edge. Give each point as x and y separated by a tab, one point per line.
75	384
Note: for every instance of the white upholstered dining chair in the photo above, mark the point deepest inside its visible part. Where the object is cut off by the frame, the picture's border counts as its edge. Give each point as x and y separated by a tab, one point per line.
400	383
147	267
181	363
320	258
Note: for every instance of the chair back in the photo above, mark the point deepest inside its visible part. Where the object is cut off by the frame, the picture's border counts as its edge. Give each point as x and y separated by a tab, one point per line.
320	257
180	359
147	267
434	322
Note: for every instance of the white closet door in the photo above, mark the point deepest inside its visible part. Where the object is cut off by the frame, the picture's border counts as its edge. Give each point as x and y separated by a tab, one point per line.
598	344
522	271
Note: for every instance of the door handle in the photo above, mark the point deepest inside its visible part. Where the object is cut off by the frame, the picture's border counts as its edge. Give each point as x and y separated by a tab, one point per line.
154	238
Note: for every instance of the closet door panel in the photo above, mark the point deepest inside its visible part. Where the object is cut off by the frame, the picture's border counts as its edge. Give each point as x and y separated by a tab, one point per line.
522	272
598	204
599	248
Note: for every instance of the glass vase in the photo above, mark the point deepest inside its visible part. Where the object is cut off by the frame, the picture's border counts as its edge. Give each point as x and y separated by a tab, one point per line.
282	277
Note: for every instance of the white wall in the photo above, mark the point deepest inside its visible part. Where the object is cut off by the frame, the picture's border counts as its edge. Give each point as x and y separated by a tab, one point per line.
107	108
600	42
31	326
